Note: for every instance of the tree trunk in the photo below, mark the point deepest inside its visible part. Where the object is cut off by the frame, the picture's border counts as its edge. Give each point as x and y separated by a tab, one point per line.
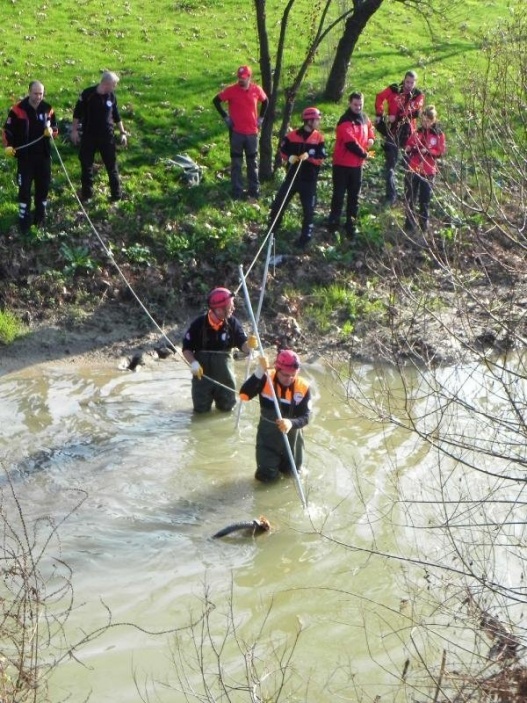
353	28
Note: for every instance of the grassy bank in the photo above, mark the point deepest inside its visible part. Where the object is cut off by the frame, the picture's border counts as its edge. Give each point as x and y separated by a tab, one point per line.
173	57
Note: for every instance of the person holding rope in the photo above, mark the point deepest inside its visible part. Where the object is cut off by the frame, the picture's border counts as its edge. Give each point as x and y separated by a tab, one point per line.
303	151
294	398
354	138
424	147
243	121
208	345
96	112
403	103
26	133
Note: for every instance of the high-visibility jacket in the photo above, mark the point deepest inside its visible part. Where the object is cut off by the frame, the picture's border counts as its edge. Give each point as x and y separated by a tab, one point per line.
297	142
423	147
354	130
294	400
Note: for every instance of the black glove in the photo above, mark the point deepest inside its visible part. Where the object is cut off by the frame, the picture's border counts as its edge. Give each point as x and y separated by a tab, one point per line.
356	149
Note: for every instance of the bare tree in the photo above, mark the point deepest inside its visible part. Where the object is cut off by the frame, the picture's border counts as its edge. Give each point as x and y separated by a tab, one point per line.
433	11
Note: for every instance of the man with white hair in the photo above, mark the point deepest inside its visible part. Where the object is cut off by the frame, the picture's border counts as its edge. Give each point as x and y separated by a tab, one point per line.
94	120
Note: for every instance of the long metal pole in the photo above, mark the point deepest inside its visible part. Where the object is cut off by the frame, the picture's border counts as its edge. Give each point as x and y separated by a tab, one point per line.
258	313
275	399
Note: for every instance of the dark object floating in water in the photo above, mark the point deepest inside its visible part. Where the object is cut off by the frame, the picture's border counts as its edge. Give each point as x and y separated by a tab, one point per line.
163	352
135	361
256	527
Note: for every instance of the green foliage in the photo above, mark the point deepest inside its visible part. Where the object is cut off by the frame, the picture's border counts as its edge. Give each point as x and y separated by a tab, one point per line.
10	327
78	259
338	306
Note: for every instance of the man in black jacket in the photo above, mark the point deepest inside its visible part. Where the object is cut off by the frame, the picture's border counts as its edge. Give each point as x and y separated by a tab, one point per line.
29	126
96	110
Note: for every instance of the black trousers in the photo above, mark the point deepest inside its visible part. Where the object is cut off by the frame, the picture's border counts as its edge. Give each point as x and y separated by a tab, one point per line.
90	145
36	169
307	191
347	182
417	190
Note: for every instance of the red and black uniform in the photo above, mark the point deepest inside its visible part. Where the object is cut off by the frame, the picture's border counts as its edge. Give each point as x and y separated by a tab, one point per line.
405	106
272	457
353	134
98	113
303	176
423	149
212	343
24	125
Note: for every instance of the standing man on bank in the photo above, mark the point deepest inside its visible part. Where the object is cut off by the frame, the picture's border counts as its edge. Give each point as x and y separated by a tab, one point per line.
94	120
303	151
26	135
397	108
354	137
208	345
244	122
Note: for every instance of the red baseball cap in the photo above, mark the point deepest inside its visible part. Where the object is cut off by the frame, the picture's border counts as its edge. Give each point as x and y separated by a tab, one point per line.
244	72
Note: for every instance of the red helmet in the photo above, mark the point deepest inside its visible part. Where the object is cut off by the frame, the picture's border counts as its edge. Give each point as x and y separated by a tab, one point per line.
219	297
287	361
311	113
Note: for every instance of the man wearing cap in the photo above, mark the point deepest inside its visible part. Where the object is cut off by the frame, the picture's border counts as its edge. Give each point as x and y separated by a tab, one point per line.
244	122
208	345
303	151
294	397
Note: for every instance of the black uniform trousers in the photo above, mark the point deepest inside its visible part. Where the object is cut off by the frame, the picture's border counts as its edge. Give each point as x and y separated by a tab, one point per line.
347	181
36	168
307	191
106	147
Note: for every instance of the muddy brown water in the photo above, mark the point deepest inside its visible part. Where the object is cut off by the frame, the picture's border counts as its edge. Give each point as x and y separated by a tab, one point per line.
157	482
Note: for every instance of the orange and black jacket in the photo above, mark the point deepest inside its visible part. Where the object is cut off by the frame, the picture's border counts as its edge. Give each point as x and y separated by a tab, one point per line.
297	142
294	400
26	124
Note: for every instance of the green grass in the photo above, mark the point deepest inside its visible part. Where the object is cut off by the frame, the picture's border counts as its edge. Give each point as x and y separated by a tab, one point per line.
10	327
173	57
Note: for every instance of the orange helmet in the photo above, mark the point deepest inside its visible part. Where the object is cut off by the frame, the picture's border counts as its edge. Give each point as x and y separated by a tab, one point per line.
311	113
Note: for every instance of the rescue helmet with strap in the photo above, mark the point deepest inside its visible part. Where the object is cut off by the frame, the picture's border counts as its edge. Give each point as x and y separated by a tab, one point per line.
311	113
287	361
219	298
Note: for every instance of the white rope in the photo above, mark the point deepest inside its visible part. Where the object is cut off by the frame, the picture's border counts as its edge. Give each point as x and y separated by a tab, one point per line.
271	227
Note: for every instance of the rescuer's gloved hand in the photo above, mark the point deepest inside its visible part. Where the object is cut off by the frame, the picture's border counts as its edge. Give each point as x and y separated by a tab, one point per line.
263	365
10	151
252	341
303	156
197	369
284	425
